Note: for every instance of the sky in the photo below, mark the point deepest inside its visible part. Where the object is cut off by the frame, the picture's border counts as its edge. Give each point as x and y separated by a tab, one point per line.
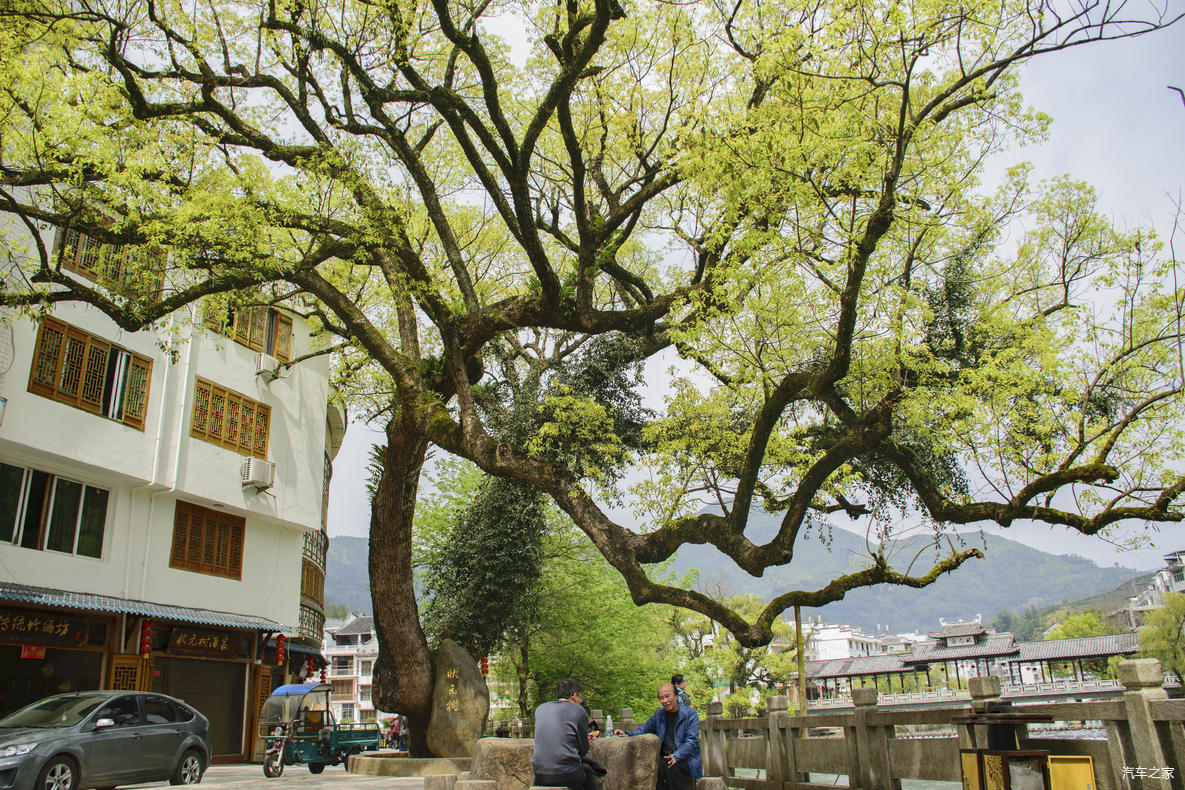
1116	125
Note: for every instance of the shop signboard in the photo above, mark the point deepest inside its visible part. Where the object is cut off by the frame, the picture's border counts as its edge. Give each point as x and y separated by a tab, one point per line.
46	630
209	644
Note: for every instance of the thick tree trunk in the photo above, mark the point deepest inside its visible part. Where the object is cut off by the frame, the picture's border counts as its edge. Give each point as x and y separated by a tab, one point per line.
403	670
524	678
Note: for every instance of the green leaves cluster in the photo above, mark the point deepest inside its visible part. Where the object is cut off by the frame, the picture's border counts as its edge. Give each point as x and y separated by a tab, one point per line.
1163	635
786	195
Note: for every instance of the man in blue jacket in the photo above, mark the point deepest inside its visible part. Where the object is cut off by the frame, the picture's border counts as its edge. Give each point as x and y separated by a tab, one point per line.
677	727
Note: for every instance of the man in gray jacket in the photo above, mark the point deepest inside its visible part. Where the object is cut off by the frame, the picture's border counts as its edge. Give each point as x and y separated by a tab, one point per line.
561	741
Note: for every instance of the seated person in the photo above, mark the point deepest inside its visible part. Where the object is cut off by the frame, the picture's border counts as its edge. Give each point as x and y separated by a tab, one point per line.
561	741
677	727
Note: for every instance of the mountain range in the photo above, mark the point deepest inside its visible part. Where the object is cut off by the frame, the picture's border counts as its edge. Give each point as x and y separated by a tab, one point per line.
1011	576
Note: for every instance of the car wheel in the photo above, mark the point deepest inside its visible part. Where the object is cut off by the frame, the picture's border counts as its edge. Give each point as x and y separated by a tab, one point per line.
59	773
316	768
189	770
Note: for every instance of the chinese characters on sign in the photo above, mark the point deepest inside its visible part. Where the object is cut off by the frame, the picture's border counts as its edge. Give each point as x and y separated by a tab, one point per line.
54	630
453	703
208	644
1137	772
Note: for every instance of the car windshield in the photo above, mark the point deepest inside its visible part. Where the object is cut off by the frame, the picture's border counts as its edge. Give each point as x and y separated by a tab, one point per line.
60	711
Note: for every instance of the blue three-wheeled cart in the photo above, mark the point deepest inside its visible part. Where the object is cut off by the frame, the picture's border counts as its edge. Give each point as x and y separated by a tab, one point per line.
297	726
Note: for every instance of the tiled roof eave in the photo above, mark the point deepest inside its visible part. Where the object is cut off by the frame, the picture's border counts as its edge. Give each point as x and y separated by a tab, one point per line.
66	599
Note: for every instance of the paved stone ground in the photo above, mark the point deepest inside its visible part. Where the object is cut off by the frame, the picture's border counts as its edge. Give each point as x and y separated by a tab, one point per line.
249	776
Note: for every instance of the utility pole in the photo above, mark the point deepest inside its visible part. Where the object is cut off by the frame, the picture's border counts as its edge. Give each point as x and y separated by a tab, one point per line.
801	659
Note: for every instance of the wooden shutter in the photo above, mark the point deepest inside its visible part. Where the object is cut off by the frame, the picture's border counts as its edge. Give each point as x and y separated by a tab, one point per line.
230	419
283	350
234	559
70	373
242	326
258	328
200	424
181	526
207	541
234	407
217	414
46	358
90	256
247	426
67	249
135	391
263	417
94	376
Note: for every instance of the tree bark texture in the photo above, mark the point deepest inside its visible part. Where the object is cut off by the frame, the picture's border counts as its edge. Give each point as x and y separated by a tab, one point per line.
403	671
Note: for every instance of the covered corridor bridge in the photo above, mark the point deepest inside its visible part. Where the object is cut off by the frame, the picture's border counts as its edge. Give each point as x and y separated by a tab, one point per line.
966	650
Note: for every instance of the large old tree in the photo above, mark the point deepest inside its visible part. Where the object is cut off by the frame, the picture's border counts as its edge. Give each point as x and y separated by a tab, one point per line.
785	194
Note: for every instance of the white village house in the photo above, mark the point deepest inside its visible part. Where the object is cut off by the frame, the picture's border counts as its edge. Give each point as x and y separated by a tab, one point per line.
162	512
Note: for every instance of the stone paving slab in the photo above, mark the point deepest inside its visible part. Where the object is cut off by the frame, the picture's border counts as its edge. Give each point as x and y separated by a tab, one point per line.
249	776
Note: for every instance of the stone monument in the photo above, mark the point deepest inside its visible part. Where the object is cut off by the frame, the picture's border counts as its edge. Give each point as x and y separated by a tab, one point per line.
460	703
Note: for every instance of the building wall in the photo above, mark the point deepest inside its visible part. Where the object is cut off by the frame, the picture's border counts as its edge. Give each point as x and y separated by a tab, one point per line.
148	471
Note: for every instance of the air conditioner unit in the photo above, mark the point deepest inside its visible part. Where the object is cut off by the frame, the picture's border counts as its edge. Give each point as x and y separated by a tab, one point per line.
267	367
258	473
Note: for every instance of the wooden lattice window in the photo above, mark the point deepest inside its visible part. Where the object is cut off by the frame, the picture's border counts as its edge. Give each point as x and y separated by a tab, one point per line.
207	541
264	329
89	373
126	269
312	581
311	622
125	672
230	419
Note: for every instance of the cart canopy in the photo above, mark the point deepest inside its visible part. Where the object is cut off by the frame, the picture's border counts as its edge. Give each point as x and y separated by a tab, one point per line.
296	700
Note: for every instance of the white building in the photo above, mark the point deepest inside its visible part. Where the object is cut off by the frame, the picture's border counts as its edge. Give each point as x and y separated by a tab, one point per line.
824	641
351	648
1169	579
160	509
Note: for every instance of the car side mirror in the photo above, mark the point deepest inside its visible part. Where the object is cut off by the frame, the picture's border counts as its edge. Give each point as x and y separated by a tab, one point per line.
104	723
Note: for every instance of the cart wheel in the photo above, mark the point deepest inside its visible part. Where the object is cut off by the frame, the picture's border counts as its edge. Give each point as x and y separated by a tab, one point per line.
316	768
273	766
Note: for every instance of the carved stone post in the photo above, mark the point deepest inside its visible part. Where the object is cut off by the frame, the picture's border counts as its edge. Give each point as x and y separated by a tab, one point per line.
861	752
713	752
1143	683
627	720
984	691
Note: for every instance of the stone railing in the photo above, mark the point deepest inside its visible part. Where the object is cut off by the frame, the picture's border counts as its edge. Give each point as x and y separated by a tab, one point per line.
876	748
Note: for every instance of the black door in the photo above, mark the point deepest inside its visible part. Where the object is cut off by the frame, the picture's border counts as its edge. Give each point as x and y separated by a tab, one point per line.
216	689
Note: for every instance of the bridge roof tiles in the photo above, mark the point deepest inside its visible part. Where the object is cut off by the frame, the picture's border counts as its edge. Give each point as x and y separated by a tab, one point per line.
994	645
973	628
1079	647
856	667
999	646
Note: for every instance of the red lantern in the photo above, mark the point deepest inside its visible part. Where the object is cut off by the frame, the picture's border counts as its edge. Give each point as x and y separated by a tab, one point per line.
322	674
309	666
146	636
281	643
485	664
